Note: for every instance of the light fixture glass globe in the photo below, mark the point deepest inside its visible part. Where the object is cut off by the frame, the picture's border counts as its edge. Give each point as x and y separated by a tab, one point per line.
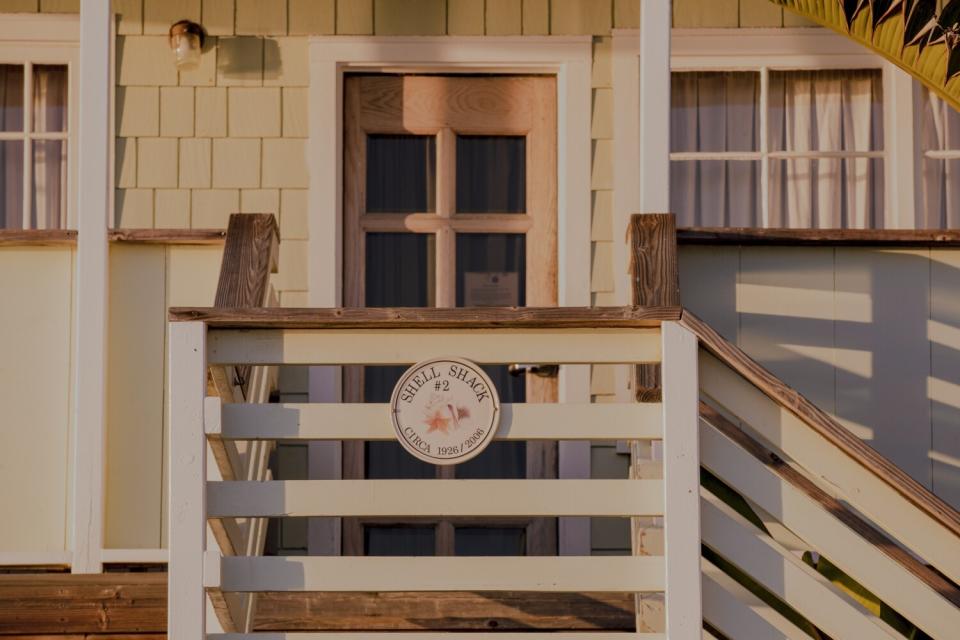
186	40
186	48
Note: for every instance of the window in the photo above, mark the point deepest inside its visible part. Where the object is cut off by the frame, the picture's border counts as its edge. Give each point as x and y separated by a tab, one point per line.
799	128
939	160
37	121
33	145
777	148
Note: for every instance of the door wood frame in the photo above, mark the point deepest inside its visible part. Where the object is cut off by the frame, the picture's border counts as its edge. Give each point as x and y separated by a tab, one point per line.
445	106
570	60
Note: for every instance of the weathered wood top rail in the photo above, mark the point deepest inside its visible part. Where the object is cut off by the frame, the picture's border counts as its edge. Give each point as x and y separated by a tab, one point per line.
822	423
68	237
820	237
429	318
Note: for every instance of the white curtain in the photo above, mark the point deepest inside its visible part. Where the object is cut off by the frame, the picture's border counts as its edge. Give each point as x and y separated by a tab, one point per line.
939	177
715	112
49	156
11	151
807	111
826	111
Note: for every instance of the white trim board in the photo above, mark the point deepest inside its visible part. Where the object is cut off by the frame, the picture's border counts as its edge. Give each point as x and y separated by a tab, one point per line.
570	60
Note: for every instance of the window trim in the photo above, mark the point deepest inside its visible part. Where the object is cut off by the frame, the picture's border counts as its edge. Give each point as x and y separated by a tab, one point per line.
751	49
30	39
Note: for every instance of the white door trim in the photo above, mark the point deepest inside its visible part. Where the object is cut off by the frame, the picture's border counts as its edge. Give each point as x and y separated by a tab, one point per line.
570	60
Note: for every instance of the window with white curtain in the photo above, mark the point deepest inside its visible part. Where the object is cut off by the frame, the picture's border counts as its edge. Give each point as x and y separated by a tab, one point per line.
34	133
777	148
939	159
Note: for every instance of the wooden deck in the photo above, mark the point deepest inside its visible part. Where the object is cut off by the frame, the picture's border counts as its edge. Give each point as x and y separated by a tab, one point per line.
41	606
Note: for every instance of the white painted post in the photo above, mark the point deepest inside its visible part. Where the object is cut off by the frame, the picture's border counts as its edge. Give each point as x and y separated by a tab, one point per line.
681	475
186	614
90	335
655	23
900	164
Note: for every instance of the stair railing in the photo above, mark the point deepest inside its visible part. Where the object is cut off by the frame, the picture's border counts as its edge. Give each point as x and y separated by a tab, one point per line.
203	338
811	487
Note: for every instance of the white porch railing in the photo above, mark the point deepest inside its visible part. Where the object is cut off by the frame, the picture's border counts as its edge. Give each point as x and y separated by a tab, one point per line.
205	338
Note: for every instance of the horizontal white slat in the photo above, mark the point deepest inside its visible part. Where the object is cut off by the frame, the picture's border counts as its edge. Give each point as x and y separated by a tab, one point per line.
406	346
736	612
345	573
335	421
426	635
785	575
435	498
136	556
34	558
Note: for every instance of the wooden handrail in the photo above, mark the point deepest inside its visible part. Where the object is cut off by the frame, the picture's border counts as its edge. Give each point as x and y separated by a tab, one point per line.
68	237
430	318
820	237
823	424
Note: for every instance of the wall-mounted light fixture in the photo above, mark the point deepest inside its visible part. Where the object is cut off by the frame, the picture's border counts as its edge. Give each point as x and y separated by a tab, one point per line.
186	40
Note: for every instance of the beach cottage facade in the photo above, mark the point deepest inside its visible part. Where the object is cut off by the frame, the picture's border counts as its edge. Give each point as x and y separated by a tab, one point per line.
229	227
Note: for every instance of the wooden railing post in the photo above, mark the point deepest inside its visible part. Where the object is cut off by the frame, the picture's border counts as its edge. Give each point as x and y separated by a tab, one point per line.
655	278
250	255
186	615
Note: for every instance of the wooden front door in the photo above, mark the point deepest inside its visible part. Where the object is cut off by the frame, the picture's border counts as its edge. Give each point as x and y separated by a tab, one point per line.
450	200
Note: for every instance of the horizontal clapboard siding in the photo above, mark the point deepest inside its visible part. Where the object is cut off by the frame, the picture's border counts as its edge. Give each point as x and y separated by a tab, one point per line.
333	421
406	346
416	498
345	573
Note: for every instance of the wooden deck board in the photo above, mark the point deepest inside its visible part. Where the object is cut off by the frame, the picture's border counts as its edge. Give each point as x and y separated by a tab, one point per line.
67	606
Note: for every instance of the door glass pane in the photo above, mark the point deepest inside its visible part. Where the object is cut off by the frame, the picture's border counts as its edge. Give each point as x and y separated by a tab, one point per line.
49	184
287	536
490	541
11	184
399	541
49	97
11	97
399	273
399	270
491	174
401	173
491	271
501	460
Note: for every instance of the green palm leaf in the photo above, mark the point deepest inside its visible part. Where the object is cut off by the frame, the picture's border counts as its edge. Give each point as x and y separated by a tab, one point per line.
922	37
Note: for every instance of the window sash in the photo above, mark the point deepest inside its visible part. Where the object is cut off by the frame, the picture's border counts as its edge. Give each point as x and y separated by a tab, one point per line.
765	154
52	42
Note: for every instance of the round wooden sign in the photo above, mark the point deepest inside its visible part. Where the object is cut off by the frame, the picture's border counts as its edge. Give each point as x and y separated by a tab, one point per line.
445	410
